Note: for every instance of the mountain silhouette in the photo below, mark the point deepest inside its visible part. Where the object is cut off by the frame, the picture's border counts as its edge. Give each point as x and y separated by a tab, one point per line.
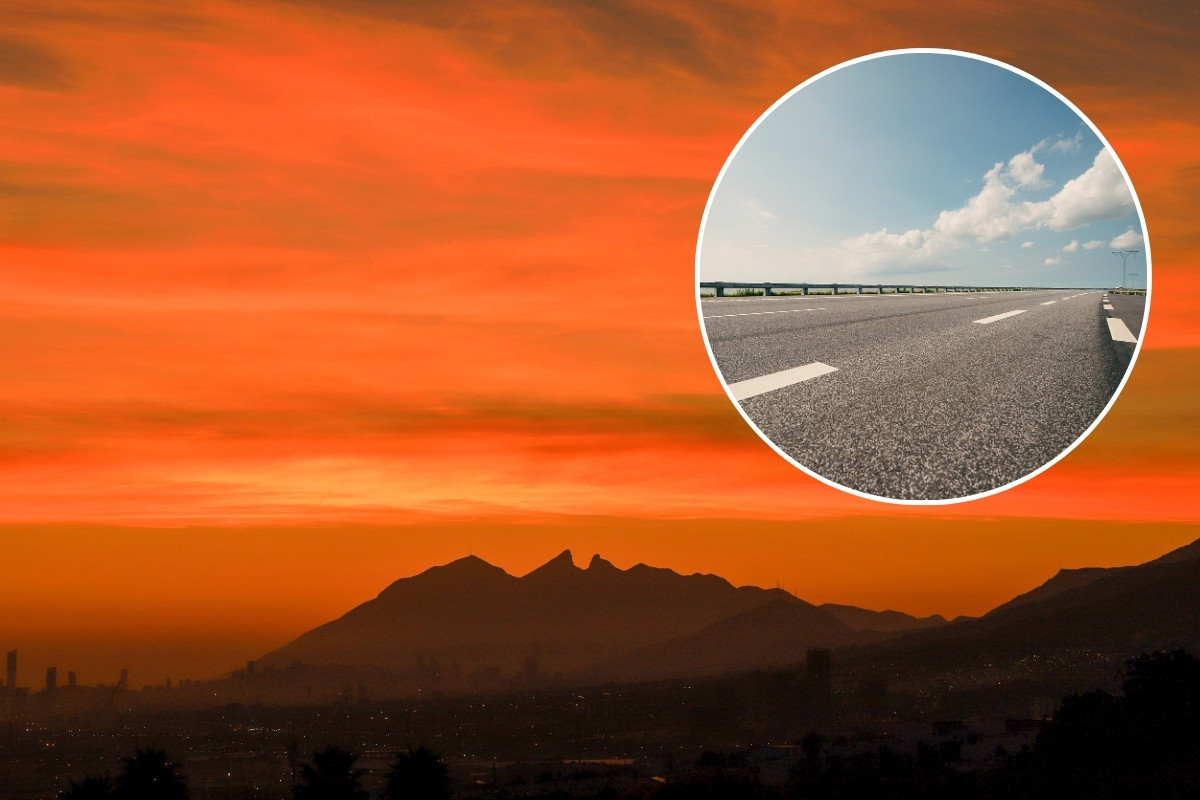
777	634
1063	581
639	622
449	625
1115	612
860	619
1068	579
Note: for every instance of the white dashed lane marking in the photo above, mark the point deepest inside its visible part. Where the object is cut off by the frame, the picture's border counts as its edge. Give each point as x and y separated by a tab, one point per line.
998	317
1120	331
743	390
760	313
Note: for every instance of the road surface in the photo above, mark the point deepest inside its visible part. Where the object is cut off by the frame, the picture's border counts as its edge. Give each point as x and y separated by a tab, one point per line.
919	397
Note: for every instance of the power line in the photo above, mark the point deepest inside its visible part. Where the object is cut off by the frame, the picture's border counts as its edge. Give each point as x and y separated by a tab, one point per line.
1124	254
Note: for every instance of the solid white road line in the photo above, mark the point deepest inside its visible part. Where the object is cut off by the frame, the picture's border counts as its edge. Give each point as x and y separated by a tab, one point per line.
760	313
743	390
1120	331
998	317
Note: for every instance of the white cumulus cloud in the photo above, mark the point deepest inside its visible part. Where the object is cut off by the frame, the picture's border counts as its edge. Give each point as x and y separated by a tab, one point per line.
1097	195
1093	244
1127	240
987	217
1026	172
994	213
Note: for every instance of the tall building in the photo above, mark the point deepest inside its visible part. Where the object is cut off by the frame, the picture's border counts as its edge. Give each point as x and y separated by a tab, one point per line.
51	678
819	681
11	680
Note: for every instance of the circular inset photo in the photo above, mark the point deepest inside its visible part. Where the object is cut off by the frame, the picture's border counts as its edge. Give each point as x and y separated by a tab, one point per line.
923	276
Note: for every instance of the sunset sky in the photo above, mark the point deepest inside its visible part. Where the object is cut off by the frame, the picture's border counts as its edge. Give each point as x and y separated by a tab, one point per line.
301	298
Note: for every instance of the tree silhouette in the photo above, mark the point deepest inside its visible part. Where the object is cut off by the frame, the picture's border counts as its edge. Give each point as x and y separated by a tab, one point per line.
1144	743
417	775
331	776
150	775
810	745
94	787
1162	696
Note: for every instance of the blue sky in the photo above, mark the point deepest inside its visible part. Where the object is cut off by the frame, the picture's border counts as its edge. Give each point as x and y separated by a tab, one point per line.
922	167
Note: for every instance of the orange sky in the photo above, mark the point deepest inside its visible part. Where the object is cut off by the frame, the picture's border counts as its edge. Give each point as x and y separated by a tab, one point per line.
322	294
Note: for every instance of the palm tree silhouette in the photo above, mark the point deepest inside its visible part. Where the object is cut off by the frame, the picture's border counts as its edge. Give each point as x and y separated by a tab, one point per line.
417	775
331	776
150	775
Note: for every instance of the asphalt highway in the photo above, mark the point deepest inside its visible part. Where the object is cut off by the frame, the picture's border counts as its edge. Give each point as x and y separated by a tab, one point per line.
1129	308
1125	315
918	397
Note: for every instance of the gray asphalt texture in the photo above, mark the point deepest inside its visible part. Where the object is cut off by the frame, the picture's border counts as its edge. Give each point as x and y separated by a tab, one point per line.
1130	309
926	404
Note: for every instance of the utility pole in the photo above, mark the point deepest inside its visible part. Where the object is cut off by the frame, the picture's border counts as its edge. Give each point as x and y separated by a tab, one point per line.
1124	254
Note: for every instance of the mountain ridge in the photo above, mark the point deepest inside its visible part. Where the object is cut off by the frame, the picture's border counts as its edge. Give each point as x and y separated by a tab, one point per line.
571	620
1099	612
561	622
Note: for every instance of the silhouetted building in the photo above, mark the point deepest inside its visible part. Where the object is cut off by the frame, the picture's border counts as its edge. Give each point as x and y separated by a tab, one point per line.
11	680
949	727
819	668
124	682
818	683
948	738
51	678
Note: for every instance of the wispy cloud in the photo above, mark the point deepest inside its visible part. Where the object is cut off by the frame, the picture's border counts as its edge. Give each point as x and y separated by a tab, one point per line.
474	225
1061	145
32	64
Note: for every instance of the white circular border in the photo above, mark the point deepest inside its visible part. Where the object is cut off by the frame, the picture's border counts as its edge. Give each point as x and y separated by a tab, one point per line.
1145	314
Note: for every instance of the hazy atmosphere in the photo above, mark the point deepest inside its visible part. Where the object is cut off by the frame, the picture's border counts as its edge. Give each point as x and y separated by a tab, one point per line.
303	298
